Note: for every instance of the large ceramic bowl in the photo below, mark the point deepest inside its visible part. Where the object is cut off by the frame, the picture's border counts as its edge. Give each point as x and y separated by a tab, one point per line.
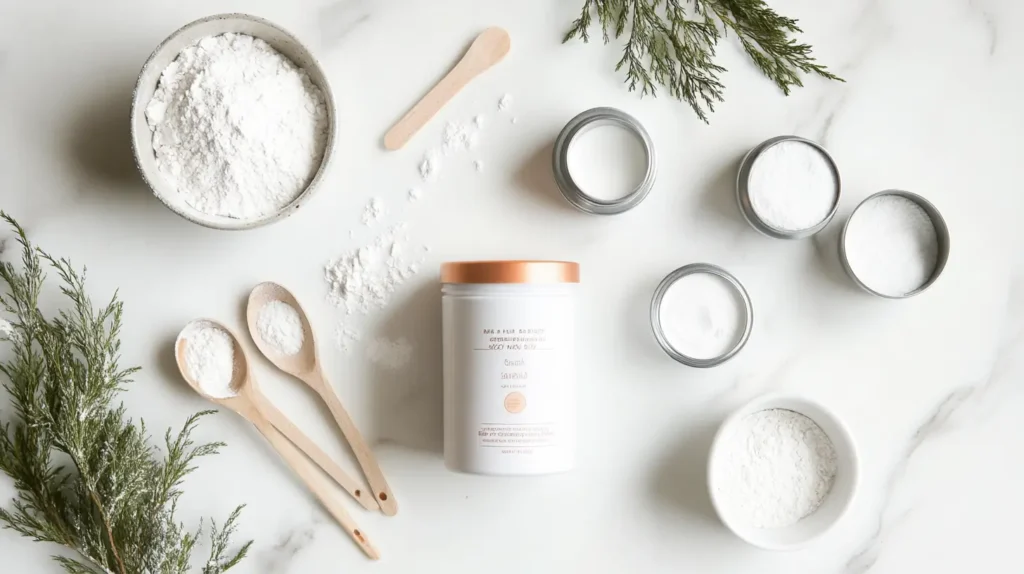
142	137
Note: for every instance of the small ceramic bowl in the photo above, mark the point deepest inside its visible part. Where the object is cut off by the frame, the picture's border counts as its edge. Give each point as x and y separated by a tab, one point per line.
142	137
836	503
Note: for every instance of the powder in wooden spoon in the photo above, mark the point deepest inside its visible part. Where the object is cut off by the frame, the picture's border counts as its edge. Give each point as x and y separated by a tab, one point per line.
280	327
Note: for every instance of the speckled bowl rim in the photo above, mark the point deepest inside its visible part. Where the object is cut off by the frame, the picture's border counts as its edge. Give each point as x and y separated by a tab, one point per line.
221	222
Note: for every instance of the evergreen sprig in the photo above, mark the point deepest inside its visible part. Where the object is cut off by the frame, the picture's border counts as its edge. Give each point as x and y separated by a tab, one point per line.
672	43
86	475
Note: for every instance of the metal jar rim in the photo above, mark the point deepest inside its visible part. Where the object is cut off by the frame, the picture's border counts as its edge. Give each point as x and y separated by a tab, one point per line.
579	125
659	332
747	207
941	236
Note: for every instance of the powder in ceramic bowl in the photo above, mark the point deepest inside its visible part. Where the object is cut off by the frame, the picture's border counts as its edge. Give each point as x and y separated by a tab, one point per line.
702	315
607	162
210	358
280	327
891	245
792	186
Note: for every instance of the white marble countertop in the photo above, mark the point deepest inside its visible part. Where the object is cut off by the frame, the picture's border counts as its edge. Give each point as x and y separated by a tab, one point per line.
928	386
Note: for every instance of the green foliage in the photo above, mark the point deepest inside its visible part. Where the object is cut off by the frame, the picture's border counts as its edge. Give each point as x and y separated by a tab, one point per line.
672	43
86	475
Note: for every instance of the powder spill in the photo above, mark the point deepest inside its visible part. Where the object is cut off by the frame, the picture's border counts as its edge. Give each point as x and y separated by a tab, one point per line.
458	136
891	245
364	279
792	186
430	167
775	468
607	162
415	194
505	102
702	315
389	354
479	165
210	358
280	326
345	337
374	211
238	129
479	120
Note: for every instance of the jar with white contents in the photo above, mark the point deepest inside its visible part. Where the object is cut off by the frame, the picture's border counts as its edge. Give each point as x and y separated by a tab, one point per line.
509	366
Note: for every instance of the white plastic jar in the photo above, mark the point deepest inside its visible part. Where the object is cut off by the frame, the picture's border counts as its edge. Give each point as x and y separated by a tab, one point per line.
509	366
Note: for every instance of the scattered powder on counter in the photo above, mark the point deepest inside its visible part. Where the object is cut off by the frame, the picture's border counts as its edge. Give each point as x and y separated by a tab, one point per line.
7	332
479	165
891	245
505	102
374	211
777	467
364	279
389	354
345	337
607	162
430	167
458	136
792	186
515	120
210	358
702	316
238	130
479	120
415	193
280	326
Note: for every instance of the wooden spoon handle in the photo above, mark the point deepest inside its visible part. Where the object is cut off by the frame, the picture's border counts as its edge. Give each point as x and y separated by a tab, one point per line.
368	462
316	454
316	482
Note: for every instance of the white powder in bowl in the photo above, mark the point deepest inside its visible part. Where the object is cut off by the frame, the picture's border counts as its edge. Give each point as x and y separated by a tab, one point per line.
210	358
238	129
702	315
280	326
774	468
891	245
792	186
607	162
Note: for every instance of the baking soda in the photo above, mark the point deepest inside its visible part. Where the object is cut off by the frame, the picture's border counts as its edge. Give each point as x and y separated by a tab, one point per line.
374	211
702	316
792	186
775	468
891	245
210	358
607	162
280	326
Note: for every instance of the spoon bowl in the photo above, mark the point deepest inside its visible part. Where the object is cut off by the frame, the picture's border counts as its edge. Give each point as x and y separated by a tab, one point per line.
299	364
239	369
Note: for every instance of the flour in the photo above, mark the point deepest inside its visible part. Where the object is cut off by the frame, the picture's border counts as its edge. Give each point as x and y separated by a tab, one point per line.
210	358
792	186
702	316
479	120
364	279
430	167
389	354
505	102
346	337
238	130
415	194
458	136
776	467
280	326
891	245
478	165
374	211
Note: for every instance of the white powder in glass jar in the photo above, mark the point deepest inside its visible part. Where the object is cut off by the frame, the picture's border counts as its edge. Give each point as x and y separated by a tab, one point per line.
776	467
792	186
238	130
702	315
210	358
891	245
280	326
607	162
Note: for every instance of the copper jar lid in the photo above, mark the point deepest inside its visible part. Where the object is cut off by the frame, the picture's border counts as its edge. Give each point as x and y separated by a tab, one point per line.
510	272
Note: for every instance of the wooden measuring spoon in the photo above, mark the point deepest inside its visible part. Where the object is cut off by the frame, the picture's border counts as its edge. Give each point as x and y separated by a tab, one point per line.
247	403
486	50
305	365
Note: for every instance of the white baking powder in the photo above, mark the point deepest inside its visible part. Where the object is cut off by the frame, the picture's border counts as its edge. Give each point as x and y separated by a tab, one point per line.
374	211
430	167
702	315
389	354
238	130
210	358
792	186
505	102
891	245
776	467
280	326
415	193
363	279
607	162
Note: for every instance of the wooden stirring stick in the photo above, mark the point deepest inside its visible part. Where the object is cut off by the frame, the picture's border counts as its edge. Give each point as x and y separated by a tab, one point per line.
246	403
305	365
487	49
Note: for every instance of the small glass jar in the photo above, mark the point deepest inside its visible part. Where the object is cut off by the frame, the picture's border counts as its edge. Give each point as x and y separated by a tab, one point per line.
509	366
